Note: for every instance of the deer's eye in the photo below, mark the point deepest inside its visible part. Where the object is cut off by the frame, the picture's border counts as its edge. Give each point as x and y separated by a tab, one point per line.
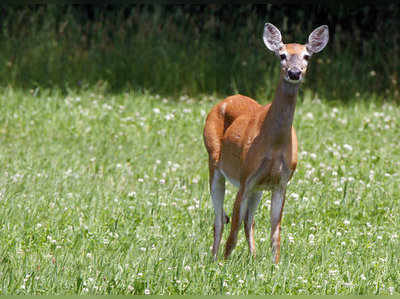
283	56
306	57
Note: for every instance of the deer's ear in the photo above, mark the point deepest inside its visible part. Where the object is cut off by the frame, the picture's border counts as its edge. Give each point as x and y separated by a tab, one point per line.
272	37
318	39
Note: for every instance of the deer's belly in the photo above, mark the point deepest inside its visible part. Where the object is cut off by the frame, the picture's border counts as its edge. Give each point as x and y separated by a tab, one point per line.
230	167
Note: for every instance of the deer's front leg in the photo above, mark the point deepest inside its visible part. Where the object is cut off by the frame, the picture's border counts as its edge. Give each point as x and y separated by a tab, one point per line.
254	200
239	209
277	203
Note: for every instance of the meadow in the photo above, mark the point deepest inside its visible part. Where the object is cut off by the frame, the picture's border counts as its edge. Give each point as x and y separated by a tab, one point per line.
108	194
103	172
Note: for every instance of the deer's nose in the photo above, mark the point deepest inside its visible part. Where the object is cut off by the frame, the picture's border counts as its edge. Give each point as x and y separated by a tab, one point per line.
294	74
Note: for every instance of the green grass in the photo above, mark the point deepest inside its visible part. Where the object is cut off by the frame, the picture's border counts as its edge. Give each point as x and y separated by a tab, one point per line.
109	195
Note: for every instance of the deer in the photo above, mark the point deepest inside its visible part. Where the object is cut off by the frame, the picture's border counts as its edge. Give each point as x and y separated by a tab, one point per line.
254	147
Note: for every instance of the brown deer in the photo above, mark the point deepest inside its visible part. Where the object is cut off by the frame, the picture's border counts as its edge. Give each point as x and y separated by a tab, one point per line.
255	146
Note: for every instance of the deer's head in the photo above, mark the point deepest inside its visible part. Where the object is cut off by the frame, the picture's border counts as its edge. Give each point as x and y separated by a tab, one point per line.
294	57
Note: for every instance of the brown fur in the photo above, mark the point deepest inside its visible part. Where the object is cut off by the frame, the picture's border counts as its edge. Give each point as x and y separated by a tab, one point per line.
255	146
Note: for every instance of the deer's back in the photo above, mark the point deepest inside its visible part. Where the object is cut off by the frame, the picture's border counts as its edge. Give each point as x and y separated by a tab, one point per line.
222	116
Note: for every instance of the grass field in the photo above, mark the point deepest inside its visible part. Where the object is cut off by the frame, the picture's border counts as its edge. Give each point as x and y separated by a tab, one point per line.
109	195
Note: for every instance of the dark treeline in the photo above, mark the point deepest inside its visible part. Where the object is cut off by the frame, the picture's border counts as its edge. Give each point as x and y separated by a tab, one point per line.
135	44
365	19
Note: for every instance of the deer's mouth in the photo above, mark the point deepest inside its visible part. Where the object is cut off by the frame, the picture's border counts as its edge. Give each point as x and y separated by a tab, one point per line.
293	81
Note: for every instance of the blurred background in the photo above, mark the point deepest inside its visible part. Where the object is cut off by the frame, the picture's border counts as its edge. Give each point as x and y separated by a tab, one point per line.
198	49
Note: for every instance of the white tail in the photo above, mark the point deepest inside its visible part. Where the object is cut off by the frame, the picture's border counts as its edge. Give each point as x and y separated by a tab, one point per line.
255	147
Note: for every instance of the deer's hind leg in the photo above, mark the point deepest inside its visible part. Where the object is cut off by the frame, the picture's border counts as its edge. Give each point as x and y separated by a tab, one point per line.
217	187
213	133
239	211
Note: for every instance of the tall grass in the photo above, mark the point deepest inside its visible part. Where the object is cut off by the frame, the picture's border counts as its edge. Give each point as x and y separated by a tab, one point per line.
109	195
170	51
104	184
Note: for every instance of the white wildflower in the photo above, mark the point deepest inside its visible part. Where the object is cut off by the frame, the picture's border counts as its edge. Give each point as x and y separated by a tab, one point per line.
348	147
333	272
309	116
169	116
295	196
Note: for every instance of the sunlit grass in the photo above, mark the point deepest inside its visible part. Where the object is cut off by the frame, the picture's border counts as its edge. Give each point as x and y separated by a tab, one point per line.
109	195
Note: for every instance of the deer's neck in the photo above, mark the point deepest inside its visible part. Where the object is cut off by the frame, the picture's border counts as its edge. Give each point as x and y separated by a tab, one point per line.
278	122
